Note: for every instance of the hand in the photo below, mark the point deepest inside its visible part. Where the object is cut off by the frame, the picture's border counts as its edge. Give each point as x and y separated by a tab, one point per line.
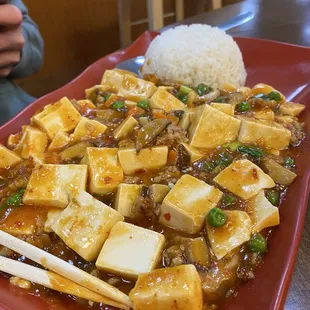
11	38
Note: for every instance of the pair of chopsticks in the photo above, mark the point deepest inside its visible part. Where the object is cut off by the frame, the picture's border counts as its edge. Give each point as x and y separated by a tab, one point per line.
61	276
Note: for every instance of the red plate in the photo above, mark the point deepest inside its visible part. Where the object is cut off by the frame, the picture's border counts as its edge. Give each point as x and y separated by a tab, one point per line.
284	66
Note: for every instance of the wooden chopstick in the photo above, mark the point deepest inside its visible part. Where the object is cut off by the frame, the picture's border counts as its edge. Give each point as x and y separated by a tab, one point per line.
63	268
53	281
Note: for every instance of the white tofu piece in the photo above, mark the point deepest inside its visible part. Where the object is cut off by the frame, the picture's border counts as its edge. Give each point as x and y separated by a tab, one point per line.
61	115
244	179
265	89
162	99
262	213
8	158
33	141
211	128
53	185
149	159
187	204
291	108
193	152
125	127
114	78
236	231
224	107
105	171
125	198
158	192
87	128
267	134
136	89
265	114
91	93
52	215
85	225
177	288
187	117
86	104
59	142
130	250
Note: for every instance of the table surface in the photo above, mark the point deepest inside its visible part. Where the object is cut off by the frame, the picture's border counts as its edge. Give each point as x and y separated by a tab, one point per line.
286	21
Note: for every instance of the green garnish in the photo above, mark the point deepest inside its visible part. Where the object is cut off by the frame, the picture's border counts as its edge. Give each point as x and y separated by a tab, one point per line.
208	166
258	244
216	217
15	199
233	146
244	106
223	159
219	99
143	104
218	169
182	97
185	89
118	105
252	151
203	89
229	200
274	95
106	97
273	197
288	162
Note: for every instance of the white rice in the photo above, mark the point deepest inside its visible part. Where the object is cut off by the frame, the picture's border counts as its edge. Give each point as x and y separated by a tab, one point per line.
195	54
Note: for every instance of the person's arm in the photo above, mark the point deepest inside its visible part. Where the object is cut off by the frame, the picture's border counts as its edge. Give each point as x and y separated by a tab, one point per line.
32	52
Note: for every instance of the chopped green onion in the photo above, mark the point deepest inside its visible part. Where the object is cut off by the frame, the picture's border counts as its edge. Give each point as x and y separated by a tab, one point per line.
224	159
274	95
118	105
106	97
185	89
203	89
244	106
208	166
252	151
219	99
258	244
289	162
232	146
143	104
216	217
218	169
229	200
182	97
261	96
273	197
15	199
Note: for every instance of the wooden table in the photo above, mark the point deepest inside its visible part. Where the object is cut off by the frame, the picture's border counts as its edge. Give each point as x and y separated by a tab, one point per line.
286	21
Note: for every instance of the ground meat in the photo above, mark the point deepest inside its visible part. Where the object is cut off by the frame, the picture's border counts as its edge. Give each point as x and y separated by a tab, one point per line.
172	136
260	103
126	143
297	132
250	261
132	180
169	175
174	256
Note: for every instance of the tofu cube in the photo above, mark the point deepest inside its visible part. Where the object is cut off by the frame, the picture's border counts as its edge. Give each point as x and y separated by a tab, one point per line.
59	142
236	231
130	250
33	141
53	185
267	134
163	100
87	128
211	128
265	114
187	118
86	104
60	116
244	179
262	213
177	288
224	107
125	127
187	204
158	192
291	108
85	225
52	215
114	78
136	89
192	152
8	158
148	159
125	198
105	171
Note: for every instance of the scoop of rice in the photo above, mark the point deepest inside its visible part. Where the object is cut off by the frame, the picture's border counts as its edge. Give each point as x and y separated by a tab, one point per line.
195	54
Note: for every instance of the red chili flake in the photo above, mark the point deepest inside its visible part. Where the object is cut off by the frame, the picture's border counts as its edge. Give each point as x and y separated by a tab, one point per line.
107	180
255	175
167	216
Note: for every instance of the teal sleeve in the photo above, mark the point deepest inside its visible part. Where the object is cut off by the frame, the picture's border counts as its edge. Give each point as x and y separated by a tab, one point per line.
32	52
